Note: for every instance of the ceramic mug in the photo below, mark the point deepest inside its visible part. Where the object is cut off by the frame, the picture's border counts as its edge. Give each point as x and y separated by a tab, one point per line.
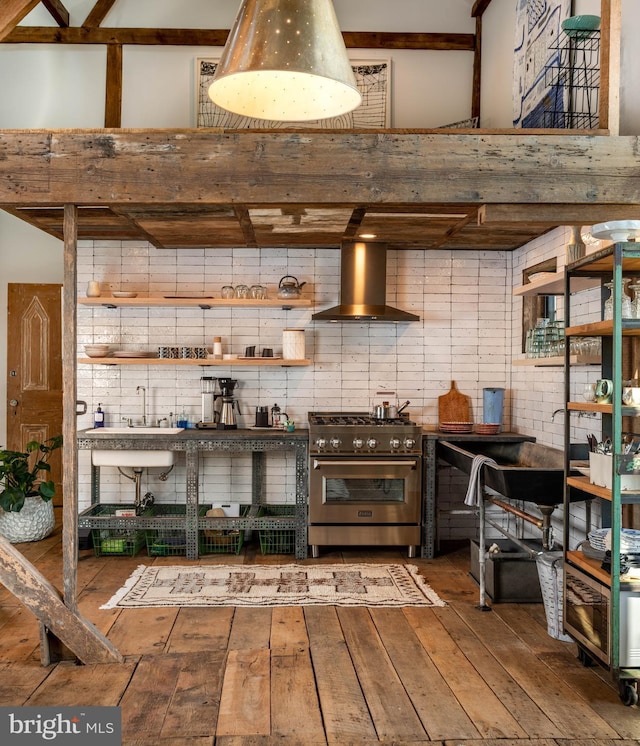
631	396
604	390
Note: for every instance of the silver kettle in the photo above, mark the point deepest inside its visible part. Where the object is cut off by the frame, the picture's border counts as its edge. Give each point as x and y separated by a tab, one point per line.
288	290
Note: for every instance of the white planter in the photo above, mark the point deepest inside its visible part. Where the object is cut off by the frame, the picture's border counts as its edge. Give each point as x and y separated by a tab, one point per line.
34	522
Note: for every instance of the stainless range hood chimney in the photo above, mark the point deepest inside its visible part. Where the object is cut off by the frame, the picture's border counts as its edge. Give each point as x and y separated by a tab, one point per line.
363	286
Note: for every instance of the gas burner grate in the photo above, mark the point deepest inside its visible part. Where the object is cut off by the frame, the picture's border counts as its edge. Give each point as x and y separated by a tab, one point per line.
352	419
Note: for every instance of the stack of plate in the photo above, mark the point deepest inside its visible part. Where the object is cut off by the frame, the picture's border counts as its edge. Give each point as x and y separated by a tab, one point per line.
488	428
97	350
600	539
456	427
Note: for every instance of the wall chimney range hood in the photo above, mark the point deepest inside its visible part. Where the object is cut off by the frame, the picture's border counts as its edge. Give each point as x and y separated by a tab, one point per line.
363	280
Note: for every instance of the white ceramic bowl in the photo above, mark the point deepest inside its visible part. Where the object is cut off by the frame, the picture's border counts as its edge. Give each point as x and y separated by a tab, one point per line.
97	350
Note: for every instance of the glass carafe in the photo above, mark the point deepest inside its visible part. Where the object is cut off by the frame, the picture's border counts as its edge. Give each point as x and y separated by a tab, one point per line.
627	307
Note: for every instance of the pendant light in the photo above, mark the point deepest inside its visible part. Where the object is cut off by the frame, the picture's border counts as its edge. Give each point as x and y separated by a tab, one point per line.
285	60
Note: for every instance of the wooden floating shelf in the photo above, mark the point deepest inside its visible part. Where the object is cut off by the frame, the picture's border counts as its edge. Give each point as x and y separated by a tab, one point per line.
555	285
237	362
558	361
158	301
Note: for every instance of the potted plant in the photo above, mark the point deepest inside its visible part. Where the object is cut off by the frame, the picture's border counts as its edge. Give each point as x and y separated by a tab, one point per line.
25	496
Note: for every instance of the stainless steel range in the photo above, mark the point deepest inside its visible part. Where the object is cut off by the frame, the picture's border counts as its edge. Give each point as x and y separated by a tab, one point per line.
365	481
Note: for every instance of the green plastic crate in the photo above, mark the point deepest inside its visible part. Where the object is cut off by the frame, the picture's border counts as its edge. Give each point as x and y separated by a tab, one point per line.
274	540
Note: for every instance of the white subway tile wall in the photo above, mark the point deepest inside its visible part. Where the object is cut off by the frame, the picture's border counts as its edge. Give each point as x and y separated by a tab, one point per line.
470	329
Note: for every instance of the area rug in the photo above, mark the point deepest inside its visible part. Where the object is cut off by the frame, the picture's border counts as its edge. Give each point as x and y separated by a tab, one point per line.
275	585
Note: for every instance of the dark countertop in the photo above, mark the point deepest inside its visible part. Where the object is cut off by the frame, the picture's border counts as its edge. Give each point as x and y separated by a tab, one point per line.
431	432
134	436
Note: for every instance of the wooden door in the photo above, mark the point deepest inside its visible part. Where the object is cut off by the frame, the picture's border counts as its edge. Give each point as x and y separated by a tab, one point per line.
34	369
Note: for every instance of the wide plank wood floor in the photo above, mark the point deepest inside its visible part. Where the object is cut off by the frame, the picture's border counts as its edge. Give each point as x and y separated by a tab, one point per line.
321	675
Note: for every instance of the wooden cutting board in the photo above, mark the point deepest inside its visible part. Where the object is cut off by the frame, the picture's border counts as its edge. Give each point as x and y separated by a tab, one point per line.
454	406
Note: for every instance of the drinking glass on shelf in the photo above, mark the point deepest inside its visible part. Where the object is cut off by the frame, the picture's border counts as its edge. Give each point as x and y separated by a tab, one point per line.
635	303
242	291
228	291
627	308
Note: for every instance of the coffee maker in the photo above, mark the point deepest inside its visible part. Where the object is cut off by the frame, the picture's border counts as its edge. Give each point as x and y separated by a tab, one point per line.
227	416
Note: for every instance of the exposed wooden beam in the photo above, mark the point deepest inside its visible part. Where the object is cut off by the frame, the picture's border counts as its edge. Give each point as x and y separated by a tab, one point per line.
101	167
12	12
97	13
550	215
59	13
218	38
392	40
244	219
479	8
477	71
451	232
29	585
113	97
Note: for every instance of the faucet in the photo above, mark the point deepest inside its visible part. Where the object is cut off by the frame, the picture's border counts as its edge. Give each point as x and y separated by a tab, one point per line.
557	411
144	404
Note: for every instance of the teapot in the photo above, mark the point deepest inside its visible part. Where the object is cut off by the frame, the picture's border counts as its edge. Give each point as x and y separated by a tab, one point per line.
288	290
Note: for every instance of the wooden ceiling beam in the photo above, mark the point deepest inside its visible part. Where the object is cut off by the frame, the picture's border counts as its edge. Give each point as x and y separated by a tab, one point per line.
186	166
58	12
12	12
551	215
97	13
218	37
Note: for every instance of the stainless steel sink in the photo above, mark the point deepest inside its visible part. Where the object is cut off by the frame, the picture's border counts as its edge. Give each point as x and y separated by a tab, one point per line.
523	470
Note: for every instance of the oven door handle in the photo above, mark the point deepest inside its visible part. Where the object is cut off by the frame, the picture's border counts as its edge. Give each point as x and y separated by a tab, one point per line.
366	462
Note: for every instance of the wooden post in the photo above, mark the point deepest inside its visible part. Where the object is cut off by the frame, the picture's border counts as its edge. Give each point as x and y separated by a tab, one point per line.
610	32
113	96
69	396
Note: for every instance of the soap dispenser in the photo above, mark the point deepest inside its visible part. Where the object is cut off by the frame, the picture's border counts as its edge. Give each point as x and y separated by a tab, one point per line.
98	417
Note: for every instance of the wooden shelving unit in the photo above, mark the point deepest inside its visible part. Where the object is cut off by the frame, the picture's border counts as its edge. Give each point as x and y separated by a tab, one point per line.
602	636
205	302
247	362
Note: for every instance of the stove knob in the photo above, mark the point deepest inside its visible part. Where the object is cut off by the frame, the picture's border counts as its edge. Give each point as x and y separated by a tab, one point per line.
394	443
358	442
372	443
409	443
321	442
336	442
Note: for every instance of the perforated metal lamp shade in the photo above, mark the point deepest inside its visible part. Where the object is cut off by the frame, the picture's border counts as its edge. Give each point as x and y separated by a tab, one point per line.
285	60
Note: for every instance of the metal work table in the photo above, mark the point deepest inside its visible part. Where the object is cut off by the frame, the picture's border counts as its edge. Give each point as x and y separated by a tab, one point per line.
430	439
193	443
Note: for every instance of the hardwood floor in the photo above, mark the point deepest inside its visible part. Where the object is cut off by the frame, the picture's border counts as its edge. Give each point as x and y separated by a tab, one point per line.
319	675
